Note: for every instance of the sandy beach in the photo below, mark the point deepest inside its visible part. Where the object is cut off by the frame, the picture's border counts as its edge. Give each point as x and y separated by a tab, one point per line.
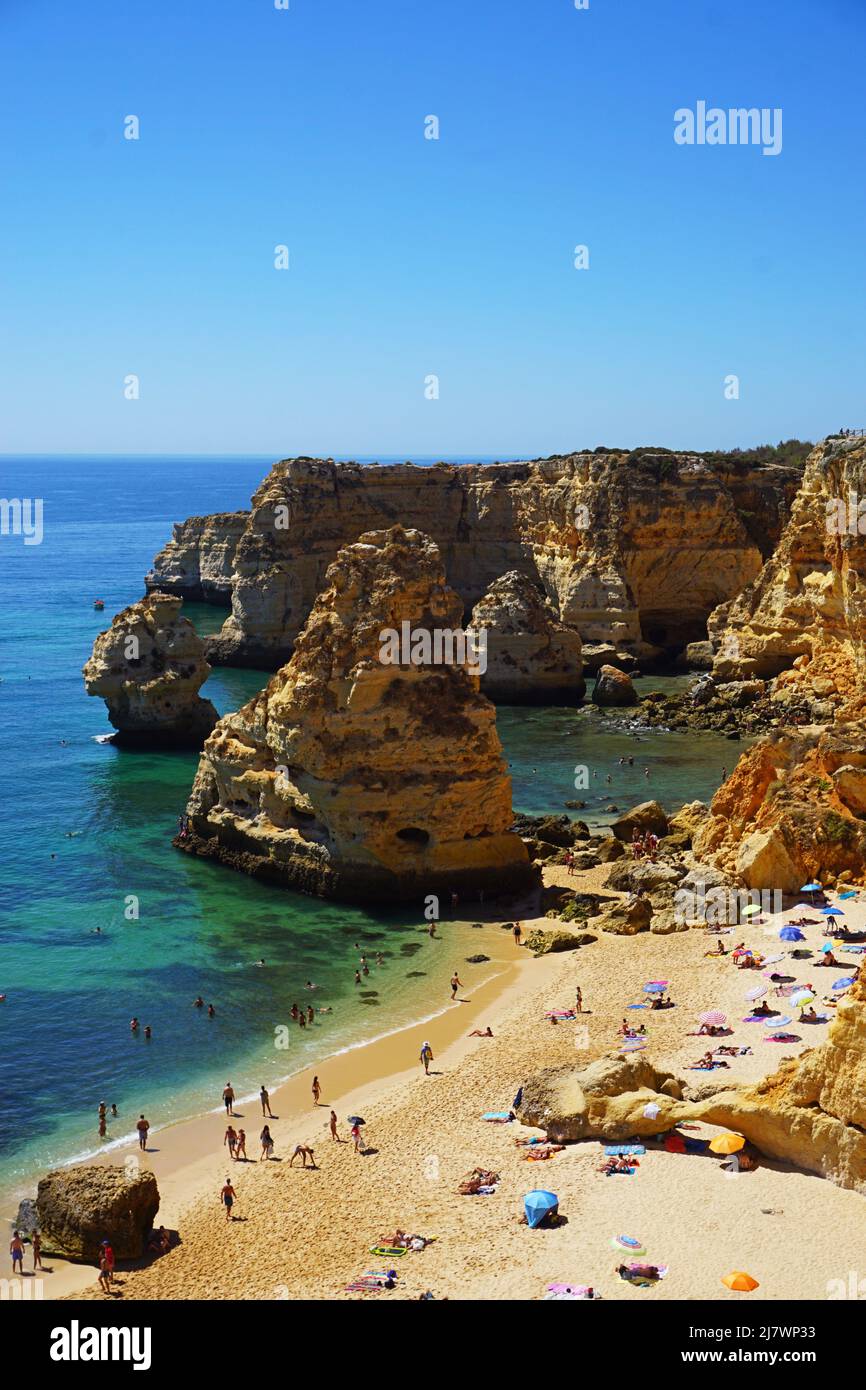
306	1234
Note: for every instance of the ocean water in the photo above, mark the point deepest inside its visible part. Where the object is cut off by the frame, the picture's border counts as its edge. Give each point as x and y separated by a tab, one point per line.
85	831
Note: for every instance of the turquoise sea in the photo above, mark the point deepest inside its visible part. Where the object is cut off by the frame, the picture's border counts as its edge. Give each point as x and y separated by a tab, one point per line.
85	827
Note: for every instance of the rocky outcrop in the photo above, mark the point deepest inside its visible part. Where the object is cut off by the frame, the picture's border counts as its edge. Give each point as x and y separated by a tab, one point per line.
631	549
198	561
790	811
80	1207
613	687
649	816
148	668
531	657
811	1112
364	772
804	615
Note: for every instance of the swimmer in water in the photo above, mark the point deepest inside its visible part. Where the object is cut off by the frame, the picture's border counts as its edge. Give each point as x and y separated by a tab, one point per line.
198	1003
211	1011
133	1025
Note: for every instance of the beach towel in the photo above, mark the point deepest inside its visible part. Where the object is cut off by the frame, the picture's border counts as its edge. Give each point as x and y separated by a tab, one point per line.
567	1291
497	1117
697	1146
625	1149
645	1281
615	1172
364	1285
560	1013
389	1251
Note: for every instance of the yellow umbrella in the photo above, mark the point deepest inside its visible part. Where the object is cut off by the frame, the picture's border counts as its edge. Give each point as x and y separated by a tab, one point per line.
747	911
739	1280
727	1143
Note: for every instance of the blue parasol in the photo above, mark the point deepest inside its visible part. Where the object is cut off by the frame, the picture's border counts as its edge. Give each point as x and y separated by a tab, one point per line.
832	912
791	934
844	983
539	1205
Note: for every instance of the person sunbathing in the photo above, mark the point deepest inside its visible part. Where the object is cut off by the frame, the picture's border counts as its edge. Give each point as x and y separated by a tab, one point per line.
829	959
808	1015
762	1008
718	950
481	1033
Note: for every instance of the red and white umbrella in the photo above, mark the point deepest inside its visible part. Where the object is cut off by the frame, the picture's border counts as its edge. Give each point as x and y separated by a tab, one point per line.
714	1018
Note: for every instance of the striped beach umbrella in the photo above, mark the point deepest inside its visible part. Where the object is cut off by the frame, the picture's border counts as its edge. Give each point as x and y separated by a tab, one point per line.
757	992
714	1018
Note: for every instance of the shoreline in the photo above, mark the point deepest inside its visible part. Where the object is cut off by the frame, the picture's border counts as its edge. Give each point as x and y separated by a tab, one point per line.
358	1073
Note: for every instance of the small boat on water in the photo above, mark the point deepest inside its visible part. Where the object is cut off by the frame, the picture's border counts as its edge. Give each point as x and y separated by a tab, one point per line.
99	604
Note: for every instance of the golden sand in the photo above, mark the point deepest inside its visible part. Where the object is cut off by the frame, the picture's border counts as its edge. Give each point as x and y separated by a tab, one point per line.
306	1234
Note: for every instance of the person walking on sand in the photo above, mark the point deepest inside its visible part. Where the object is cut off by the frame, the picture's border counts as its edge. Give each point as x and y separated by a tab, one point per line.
426	1057
142	1126
332	1123
456	983
104	1274
578	1000
267	1143
108	1256
36	1247
266	1103
241	1146
517	932
316	1089
356	1138
432	927
229	1098
227	1197
230	1137
16	1250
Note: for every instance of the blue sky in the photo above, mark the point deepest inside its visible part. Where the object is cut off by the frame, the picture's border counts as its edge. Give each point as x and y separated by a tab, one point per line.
412	257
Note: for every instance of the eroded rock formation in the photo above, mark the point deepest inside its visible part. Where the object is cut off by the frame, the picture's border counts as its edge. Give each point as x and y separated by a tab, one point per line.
80	1207
531	657
148	667
805	613
791	810
353	777
198	561
633	550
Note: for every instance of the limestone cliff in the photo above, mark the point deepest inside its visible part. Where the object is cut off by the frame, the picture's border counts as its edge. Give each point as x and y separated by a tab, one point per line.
630	549
148	667
198	561
791	811
531	658
360	772
805	613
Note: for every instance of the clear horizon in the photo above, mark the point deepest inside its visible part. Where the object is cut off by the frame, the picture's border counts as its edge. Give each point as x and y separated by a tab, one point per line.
411	258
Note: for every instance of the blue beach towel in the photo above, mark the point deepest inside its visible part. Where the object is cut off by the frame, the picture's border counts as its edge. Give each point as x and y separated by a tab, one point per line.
624	1149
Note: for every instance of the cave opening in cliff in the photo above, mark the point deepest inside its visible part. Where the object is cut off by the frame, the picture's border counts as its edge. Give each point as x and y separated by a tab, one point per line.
413	836
673	629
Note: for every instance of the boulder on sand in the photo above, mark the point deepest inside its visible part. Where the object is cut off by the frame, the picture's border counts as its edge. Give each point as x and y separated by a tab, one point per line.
80	1207
603	1100
648	816
613	687
625	918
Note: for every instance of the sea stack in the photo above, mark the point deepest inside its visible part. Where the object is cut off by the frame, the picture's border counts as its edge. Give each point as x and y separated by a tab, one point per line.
148	668
532	658
367	770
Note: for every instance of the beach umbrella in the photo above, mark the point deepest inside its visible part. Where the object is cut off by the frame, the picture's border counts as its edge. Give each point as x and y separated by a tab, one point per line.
758	992
655	987
628	1243
355	1120
652	1110
714	1018
777	1022
791	934
740	1281
831	912
811	888
844	983
828	946
750	910
772	960
538	1205
727	1143
802	996
851	893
